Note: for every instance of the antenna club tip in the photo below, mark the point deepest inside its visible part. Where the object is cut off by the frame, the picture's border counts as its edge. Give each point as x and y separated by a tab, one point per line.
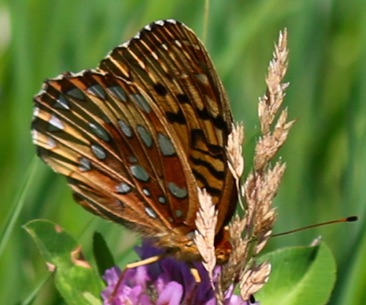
352	218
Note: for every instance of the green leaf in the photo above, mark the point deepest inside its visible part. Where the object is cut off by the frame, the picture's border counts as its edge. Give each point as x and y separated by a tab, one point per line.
76	281
299	276
102	254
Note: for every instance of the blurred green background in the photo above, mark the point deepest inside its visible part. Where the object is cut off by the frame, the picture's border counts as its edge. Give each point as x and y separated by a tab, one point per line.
325	153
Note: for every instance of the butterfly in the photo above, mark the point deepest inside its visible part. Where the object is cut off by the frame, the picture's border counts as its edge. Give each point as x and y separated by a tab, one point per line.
140	134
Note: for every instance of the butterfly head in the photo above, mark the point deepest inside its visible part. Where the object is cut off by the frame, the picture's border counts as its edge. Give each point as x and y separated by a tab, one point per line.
183	247
223	246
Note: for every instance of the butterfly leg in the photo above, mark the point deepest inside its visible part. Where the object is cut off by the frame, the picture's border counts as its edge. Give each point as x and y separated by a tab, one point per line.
143	262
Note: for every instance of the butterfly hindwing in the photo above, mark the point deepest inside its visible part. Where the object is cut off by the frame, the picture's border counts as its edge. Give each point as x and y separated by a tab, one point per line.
120	158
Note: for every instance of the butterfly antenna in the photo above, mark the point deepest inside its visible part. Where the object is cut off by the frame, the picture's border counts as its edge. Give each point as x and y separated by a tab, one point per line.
345	219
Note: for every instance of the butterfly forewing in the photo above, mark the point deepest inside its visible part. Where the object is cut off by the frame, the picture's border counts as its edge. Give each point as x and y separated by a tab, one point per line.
137	136
168	61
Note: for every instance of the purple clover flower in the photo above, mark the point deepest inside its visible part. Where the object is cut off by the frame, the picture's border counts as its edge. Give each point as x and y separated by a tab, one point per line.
166	282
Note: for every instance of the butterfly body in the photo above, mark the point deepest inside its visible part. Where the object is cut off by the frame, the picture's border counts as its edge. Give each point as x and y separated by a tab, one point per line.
139	135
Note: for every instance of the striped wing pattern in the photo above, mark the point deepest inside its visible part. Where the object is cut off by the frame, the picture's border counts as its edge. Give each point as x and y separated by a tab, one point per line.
138	135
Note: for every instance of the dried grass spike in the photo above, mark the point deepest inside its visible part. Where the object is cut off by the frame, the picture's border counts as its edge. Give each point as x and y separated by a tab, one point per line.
234	153
204	239
234	150
254	279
